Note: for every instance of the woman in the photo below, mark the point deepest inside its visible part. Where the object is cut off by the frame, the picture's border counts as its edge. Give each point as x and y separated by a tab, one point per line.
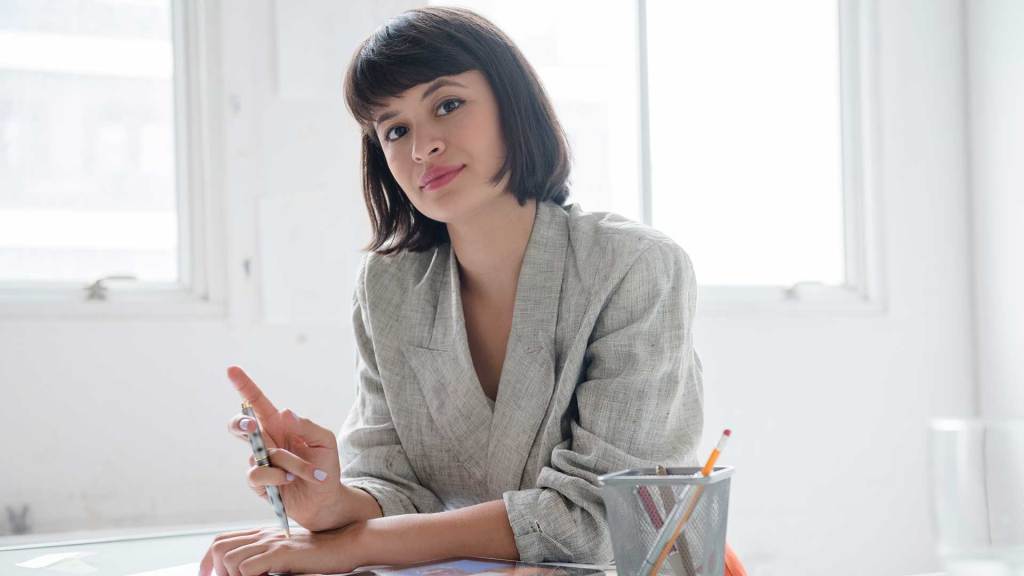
511	348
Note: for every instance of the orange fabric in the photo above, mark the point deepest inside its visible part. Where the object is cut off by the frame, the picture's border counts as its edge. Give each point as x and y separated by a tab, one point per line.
733	566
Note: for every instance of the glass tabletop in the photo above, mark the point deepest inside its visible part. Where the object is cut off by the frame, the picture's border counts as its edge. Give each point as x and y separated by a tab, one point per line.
137	552
109	553
142	552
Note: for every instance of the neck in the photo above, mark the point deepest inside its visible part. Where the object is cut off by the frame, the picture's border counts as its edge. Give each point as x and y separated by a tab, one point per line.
491	244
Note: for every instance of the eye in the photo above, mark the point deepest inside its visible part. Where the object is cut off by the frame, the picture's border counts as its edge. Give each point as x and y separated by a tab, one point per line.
449	109
391	130
444	108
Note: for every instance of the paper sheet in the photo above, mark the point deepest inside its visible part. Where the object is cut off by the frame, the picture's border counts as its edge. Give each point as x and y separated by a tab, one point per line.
63	562
193	569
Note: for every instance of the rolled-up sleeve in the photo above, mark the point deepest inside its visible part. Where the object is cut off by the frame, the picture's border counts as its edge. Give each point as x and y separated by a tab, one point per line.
639	403
372	456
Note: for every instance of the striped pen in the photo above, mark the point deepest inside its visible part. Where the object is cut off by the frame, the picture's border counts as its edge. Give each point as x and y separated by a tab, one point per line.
259	452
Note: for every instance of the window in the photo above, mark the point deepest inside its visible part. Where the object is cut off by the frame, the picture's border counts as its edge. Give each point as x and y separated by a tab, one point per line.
590	73
732	126
745	137
96	177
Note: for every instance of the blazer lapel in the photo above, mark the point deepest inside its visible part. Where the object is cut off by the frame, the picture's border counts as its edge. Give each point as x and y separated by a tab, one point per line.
528	372
442	363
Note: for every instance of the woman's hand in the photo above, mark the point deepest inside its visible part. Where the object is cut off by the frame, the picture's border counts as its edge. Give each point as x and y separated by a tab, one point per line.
252	552
304	456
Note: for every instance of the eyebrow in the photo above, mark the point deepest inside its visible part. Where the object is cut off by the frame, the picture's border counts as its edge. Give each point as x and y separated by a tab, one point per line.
434	87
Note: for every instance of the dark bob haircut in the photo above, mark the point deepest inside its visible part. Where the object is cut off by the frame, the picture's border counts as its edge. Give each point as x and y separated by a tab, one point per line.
419	46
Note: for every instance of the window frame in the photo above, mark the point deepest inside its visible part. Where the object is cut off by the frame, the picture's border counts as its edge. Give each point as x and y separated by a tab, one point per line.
863	292
200	290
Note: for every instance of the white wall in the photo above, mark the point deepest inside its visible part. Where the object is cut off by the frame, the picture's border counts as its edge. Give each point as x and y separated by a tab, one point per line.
995	47
111	422
830	412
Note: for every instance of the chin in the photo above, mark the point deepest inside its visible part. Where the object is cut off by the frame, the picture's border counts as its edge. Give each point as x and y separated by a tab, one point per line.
444	206
452	204
448	206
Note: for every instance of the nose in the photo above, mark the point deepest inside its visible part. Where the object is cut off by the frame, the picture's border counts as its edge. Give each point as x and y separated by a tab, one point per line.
427	147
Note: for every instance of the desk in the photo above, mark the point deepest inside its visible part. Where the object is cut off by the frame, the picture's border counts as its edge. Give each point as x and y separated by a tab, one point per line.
120	553
113	553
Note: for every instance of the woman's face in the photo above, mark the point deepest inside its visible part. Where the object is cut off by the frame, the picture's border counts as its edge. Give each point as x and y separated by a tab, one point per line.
443	143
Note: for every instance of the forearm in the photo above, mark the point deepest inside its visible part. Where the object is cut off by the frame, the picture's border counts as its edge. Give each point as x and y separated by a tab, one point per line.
480	530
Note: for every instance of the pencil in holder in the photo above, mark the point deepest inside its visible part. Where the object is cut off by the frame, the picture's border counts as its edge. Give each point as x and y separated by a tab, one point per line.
645	509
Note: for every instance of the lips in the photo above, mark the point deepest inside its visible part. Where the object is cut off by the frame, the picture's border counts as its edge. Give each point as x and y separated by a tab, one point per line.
437	174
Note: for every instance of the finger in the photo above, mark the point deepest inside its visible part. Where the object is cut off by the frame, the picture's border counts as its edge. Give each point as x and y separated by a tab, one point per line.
314	435
252	565
253	426
261	491
241	425
251	392
217	549
268	562
262	476
289	462
258	431
238	555
224	543
206	565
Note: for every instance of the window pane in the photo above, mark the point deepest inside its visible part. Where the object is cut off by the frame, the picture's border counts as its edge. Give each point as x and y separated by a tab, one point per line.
590	73
87	145
745	137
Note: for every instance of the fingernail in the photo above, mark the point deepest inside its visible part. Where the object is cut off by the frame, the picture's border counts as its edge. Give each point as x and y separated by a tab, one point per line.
289	476
320	475
244	424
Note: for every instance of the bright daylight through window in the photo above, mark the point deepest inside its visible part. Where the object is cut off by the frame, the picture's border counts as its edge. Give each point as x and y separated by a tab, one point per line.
745	138
87	141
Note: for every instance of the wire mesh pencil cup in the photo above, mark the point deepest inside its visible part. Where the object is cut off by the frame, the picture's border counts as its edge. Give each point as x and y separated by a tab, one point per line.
638	503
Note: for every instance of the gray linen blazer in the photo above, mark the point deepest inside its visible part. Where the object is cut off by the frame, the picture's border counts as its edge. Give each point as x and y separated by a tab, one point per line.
599	375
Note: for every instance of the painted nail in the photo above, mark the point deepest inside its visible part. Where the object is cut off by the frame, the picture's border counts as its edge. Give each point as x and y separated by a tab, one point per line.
244	424
289	476
320	475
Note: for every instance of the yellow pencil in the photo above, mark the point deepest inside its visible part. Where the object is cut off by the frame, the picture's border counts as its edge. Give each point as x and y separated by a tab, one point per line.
706	471
714	453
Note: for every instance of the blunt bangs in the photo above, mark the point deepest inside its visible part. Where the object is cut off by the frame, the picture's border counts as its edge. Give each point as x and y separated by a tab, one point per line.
392	61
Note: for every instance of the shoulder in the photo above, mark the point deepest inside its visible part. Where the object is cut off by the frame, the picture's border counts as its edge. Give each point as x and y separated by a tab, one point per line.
611	246
383	274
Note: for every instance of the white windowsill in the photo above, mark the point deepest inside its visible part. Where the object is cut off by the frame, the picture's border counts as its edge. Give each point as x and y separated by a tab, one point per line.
137	303
799	300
